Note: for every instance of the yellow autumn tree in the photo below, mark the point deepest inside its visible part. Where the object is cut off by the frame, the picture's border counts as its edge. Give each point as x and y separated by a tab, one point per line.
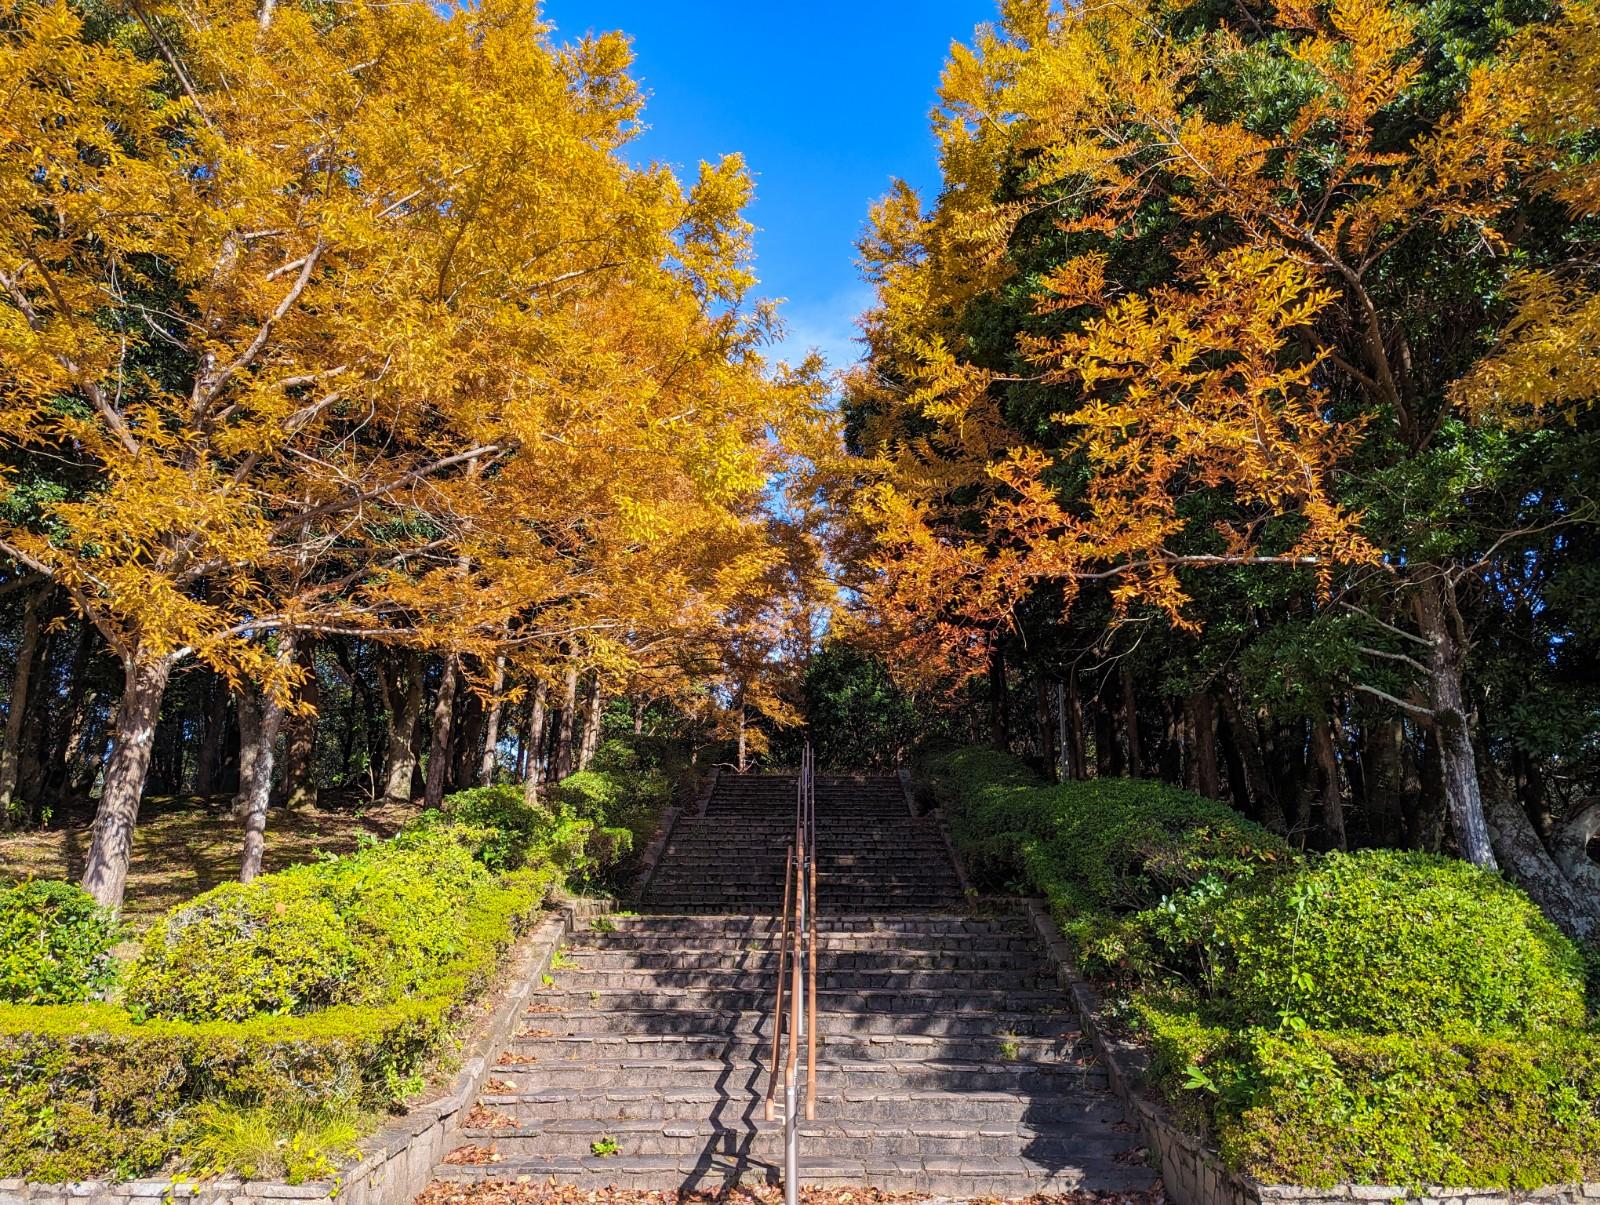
354	321
1208	229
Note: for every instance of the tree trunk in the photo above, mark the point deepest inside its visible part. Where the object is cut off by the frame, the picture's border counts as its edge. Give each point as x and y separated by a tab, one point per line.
1573	908
467	743
593	714
1391	778
1258	786
16	708
569	715
105	873
1130	722
300	752
444	712
74	718
742	764
1078	761
1107	748
534	744
999	701
1041	706
1332	800
208	760
1203	721
1458	763
638	718
403	701
490	761
260	718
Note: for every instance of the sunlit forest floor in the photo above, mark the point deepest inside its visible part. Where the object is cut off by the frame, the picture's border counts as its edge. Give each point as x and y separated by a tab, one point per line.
185	845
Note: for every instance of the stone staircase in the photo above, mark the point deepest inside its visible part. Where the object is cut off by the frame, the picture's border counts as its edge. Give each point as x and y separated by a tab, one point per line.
948	1061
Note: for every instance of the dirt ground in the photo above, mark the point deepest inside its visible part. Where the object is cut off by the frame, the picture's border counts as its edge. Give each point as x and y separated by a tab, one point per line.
185	846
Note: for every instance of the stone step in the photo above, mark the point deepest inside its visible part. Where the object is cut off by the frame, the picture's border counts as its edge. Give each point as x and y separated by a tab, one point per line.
910	946
947	923
947	1177
1061	1025
846	1139
565	995
580	978
731	1103
756	1048
762	956
713	903
875	1075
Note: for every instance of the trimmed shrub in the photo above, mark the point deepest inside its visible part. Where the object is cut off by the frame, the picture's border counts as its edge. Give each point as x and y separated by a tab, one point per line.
55	944
394	921
1375	1017
404	906
1389	942
85	1092
275	947
1317	1108
1112	845
496	823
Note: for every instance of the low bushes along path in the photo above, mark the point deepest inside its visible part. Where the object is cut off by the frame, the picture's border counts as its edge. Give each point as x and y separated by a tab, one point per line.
948	1062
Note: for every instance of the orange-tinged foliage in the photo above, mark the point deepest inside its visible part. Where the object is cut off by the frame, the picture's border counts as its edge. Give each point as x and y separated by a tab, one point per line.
355	320
1214	377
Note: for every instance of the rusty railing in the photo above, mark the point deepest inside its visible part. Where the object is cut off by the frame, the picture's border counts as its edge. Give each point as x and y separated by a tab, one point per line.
797	978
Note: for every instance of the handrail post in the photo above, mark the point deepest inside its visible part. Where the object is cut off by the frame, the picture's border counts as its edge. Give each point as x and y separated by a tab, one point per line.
777	1007
799	965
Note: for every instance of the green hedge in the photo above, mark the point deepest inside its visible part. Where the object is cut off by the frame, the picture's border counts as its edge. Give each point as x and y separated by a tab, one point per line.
1377	1017
1389	942
86	1092
55	944
1318	1108
261	1019
95	1090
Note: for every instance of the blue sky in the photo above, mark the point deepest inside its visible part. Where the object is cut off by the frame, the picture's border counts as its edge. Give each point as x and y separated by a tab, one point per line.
827	101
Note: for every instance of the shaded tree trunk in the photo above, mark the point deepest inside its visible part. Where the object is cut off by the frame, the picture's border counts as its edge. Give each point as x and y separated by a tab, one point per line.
402	699
999	700
1130	723
67	735
593	714
444	711
105	873
490	760
1328	768
467	744
300	751
260	719
208	760
1077	754
533	744
1458	764
1202	717
569	715
1391	778
17	707
1041	706
1256	787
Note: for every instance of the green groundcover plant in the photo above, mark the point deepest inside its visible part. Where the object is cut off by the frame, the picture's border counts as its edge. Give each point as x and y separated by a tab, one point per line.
263	1027
1379	1016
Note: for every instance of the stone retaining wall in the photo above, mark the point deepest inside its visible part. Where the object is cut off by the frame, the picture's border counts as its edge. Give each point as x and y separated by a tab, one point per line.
397	1162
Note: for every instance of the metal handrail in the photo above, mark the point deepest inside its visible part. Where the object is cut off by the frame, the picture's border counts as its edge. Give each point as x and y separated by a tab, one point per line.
797	976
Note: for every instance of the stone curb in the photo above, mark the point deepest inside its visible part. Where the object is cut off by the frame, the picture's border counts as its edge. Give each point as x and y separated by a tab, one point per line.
397	1162
1192	1173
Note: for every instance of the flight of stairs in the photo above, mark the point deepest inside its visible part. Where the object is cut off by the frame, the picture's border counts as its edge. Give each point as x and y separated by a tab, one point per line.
948	1061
